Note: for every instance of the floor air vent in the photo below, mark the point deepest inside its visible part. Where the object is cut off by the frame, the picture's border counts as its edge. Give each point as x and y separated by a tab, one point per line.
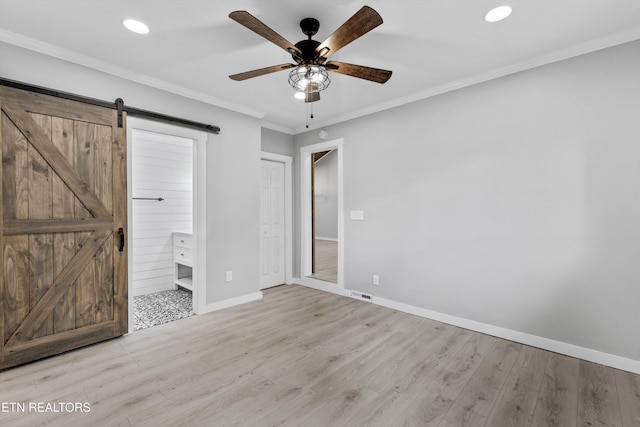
360	295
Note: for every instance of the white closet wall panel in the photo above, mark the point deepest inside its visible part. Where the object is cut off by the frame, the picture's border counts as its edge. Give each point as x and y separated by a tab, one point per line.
162	166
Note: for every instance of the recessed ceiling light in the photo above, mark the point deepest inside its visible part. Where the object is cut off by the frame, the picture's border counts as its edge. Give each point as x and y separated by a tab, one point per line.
498	14
135	26
299	95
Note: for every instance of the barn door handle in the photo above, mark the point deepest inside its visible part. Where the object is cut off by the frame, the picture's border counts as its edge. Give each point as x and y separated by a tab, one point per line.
121	234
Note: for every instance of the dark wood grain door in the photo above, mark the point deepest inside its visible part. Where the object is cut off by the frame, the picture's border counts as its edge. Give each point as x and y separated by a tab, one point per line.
64	270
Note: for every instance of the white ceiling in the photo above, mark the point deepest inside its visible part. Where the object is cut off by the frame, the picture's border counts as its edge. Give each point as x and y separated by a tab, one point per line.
431	46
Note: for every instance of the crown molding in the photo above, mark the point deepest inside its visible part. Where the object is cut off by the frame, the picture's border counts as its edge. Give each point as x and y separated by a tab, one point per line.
86	61
560	55
277	128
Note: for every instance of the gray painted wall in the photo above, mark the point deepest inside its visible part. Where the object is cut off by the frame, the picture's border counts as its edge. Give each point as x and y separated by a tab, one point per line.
233	208
233	156
326	197
277	142
514	203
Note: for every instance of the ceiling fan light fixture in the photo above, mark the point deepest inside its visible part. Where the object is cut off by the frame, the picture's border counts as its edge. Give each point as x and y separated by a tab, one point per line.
498	13
309	78
135	26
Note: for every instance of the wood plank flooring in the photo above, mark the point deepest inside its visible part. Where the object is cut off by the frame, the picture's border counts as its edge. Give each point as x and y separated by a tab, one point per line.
301	357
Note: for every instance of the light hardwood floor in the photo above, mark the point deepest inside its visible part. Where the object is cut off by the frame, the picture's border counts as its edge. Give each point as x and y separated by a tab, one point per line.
301	357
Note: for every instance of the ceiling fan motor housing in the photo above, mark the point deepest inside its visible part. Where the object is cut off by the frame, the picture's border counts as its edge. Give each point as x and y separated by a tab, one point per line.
309	26
308	51
307	48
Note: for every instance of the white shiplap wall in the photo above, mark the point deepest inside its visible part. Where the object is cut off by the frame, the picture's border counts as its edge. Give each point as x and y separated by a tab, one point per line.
162	166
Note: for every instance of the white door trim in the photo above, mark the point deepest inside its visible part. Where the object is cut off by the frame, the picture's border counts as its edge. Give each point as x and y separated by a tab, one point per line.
199	205
288	210
305	220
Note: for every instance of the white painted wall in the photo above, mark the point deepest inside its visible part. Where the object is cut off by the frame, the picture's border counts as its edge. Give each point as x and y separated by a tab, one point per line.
326	196
162	166
513	204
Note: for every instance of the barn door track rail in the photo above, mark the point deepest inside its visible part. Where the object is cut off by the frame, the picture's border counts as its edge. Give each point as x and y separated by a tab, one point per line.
117	105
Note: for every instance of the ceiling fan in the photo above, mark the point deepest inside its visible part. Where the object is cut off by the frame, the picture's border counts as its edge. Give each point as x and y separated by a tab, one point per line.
310	71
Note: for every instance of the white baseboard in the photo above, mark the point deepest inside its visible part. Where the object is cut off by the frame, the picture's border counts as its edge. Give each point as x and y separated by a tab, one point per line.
588	354
560	347
231	302
321	285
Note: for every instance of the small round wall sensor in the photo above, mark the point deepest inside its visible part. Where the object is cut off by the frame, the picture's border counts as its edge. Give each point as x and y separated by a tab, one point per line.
322	134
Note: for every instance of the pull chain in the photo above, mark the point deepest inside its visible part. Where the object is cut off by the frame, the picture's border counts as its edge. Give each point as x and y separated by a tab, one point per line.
311	115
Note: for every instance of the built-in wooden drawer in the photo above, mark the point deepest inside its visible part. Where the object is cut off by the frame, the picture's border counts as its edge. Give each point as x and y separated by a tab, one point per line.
183	260
182	240
183	255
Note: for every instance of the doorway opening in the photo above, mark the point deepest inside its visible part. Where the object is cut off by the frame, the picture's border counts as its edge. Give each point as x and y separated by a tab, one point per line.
165	202
322	239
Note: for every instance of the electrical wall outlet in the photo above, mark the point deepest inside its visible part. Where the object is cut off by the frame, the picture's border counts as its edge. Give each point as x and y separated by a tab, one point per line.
229	276
376	279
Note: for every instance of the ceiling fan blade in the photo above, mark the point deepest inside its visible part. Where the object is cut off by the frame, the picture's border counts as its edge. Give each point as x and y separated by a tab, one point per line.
360	71
364	20
243	17
260	72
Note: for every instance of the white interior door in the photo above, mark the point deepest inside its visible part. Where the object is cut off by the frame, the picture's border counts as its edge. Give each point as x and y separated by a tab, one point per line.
272	224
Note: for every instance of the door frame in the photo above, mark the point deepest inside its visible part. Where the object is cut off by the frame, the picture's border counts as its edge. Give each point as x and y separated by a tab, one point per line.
199	205
306	153
288	211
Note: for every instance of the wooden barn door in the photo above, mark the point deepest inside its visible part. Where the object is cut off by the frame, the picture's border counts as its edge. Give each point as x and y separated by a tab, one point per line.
64	261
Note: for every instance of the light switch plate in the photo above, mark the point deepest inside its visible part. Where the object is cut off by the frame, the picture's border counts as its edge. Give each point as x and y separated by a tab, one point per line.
356	215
